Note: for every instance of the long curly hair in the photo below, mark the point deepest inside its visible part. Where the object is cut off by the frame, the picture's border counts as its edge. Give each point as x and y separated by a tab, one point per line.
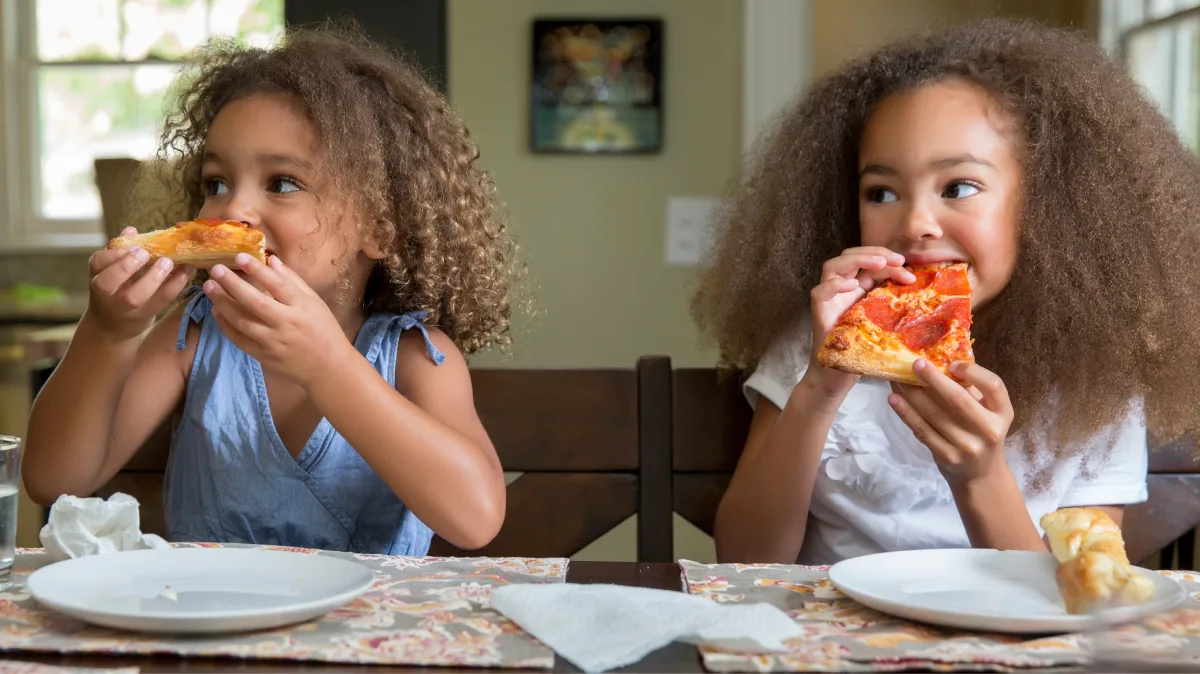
390	142
1099	314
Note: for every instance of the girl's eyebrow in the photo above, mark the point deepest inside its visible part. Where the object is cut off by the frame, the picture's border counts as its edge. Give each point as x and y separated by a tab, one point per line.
948	162
286	159
265	160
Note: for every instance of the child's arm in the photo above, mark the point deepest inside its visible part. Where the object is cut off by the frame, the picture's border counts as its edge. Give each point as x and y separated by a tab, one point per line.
112	388
965	430
424	438
764	513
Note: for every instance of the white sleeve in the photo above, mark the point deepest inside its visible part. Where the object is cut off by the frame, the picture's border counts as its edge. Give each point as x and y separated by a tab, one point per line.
1121	478
780	368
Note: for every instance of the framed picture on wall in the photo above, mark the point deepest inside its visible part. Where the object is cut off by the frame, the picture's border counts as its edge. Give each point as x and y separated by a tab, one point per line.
597	86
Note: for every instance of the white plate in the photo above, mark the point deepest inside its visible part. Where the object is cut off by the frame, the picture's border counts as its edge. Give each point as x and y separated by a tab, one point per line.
199	590
989	590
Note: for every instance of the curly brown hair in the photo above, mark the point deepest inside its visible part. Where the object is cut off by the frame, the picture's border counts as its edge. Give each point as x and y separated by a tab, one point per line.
390	141
1097	315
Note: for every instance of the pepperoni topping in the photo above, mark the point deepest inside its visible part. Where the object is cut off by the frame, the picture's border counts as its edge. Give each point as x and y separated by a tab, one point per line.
924	332
924	278
955	309
880	311
952	281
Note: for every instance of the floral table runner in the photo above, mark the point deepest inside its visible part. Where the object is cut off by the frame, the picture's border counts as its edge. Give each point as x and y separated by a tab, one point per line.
421	611
843	635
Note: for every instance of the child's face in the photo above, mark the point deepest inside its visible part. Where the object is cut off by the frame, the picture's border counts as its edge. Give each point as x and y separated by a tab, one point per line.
260	167
939	180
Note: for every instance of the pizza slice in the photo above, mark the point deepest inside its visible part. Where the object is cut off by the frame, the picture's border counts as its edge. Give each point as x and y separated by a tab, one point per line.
895	324
199	243
1093	568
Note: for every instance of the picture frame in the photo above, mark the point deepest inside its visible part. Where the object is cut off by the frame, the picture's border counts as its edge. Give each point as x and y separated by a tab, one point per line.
596	86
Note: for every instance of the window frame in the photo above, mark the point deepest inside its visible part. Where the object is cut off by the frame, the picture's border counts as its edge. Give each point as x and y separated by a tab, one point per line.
23	228
1118	33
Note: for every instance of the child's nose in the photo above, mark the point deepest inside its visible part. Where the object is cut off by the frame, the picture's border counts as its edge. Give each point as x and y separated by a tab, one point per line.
240	209
919	224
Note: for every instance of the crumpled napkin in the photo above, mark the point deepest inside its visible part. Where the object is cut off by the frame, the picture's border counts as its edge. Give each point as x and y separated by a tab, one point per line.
91	526
602	627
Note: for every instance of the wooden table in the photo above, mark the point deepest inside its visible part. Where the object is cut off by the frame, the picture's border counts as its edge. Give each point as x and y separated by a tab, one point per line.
673	658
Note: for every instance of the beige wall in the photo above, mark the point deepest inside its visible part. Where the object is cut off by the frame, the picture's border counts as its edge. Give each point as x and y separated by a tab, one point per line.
592	228
843	29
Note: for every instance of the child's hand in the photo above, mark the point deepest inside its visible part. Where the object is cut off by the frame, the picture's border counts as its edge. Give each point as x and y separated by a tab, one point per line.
964	427
288	328
124	299
844	280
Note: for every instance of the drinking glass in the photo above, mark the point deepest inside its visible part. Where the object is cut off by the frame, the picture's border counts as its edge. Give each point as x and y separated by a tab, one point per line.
10	474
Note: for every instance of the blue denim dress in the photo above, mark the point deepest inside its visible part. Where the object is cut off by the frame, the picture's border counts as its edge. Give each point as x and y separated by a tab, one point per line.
230	479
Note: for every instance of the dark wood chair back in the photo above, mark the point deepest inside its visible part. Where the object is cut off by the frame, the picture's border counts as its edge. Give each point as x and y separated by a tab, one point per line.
710	421
581	438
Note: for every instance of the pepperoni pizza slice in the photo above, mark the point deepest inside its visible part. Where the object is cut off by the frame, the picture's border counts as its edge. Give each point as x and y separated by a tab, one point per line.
200	243
893	325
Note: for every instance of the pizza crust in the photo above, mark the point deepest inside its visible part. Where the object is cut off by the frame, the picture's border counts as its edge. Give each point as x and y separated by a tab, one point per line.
846	350
199	243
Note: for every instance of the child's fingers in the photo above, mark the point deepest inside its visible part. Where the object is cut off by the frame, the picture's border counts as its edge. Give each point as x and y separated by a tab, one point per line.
140	292
274	282
827	290
869	278
235	316
993	393
242	292
230	329
894	259
953	396
922	429
174	285
109	279
299	284
103	259
933	412
848	266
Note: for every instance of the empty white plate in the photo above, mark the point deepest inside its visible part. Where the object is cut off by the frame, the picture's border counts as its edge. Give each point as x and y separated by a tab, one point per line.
199	590
988	590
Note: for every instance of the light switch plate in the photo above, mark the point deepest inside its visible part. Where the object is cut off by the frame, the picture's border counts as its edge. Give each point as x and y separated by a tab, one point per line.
689	229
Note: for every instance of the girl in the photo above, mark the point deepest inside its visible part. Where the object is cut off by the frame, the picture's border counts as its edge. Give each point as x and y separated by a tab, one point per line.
324	396
1026	153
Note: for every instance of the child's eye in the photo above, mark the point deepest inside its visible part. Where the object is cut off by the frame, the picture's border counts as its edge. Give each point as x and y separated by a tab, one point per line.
283	185
881	195
215	187
960	189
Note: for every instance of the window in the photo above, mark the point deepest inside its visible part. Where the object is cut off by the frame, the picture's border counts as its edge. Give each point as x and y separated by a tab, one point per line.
88	79
1159	40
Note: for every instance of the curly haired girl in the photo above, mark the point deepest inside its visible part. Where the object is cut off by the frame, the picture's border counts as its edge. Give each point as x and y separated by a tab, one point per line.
325	400
1025	152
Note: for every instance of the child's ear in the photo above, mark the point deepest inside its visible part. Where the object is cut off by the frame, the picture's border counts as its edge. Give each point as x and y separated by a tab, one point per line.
371	247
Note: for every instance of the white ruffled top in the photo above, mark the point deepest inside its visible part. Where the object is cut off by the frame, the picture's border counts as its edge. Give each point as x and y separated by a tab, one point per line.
878	488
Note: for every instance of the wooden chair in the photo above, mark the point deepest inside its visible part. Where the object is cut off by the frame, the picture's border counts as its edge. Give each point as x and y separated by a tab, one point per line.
583	441
710	420
581	438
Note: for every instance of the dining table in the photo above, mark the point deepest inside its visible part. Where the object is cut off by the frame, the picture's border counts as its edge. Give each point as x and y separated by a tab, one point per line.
675	657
